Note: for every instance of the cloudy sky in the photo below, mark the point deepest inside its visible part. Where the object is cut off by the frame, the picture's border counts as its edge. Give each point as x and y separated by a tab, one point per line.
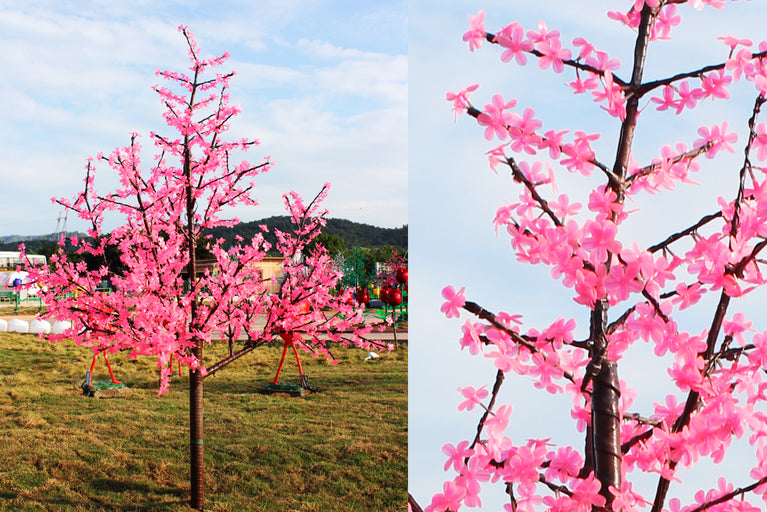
322	84
454	196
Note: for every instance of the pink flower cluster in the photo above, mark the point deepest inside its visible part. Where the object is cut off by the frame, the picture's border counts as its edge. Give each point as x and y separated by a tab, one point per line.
155	307
719	368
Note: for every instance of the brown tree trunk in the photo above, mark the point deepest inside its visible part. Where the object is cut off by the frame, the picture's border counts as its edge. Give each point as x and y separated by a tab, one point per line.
604	442
195	438
606	423
196	472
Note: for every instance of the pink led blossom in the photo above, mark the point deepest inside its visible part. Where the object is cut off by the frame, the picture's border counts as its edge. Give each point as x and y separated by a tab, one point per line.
496	118
449	500
668	100
562	207
579	86
715	85
471	333
461	98
456	455
553	54
760	141
543	33
454	301
718	137
741	64
522	132
687	295
552	140
688	98
667	18
473	396
512	37
476	34
585	47
602	61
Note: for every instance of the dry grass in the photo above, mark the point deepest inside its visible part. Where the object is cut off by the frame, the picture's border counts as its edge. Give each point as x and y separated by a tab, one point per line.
341	449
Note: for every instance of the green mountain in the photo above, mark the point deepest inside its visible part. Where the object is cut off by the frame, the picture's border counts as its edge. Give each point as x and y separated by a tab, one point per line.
353	234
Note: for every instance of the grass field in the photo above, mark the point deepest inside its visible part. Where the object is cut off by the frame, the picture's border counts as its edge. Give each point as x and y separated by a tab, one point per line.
343	448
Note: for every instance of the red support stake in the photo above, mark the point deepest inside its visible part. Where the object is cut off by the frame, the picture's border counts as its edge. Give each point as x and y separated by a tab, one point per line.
170	365
93	364
297	337
288	339
112	375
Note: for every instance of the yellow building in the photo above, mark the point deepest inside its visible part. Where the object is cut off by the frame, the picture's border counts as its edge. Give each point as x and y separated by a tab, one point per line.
269	268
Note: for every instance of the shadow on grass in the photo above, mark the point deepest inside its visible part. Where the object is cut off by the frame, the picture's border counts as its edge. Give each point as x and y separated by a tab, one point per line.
143	497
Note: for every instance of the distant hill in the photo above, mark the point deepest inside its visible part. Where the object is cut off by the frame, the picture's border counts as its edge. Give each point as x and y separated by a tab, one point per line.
354	234
16	239
34	244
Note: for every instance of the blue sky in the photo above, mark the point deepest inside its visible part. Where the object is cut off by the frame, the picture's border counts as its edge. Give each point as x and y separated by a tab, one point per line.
454	196
322	84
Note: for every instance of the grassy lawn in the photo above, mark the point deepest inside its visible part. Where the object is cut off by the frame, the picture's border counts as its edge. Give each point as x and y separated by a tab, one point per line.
340	449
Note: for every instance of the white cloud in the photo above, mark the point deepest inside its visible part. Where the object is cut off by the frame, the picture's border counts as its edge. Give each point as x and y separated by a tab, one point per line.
327	50
79	77
383	79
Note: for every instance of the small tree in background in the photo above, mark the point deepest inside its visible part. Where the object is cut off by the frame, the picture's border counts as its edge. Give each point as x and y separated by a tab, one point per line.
332	243
162	305
629	293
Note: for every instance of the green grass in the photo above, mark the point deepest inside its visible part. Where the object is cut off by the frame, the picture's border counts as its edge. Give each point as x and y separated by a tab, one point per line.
340	449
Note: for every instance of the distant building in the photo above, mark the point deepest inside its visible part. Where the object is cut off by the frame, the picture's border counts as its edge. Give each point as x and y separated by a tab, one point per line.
10	260
268	268
271	267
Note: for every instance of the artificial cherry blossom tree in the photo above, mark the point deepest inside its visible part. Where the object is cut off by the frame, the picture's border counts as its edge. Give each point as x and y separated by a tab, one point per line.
162	305
629	294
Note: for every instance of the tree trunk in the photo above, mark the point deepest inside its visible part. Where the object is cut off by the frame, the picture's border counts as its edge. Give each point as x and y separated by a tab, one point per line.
606	423
605	438
195	438
196	472
605	444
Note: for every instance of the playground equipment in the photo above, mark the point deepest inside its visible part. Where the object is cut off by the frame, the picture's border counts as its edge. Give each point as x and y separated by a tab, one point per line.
14	288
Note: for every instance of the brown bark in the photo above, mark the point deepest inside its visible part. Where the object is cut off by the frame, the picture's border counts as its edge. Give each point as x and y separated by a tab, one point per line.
195	376
606	441
603	446
605	396
196	440
413	504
